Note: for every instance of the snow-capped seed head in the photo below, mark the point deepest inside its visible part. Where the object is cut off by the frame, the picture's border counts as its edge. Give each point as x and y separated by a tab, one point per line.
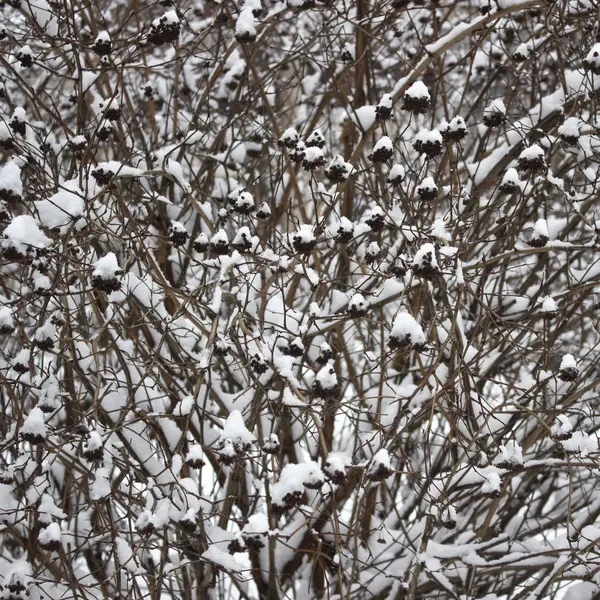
358	306
219	243
298	152
271	444
427	190
383	150
93	449
245	28
510	182
294	348
425	262
201	243
532	159
522	52
428	143
375	218
103	174
335	467
313	158
347	53
549	307
24	56
33	429
510	457
165	29
11	187
380	467
304	240
454	131
49	538
383	110
373	252
406	332
592	61
263	212
289	138
562	429
495	114
243	202
7	323
195	456
178	234
255	531
343	230
568	370
325	353
338	169
243	240
540	236
107	274
396	175
326	384
569	131
44	336
315	139
103	44
417	98
235	439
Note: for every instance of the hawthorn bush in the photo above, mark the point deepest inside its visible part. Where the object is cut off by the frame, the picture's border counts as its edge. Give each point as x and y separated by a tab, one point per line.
299	300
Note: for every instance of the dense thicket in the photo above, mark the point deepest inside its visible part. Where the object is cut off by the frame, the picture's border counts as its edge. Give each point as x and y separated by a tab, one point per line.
299	300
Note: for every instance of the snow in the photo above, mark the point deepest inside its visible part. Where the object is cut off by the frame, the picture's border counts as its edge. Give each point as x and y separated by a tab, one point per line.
496	106
549	305
418	90
593	57
541	228
562	427
313	155
511	177
107	267
365	117
10	180
23	232
292	481
431	137
384	143
49	535
396	173
511	455
569	128
34	424
94	441
62	207
100	487
358	303
221	558
406	329
438	230
289	136
533	152
427	184
425	257
386	101
568	362
257	523
244	25
327	377
381	460
6	318
235	429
